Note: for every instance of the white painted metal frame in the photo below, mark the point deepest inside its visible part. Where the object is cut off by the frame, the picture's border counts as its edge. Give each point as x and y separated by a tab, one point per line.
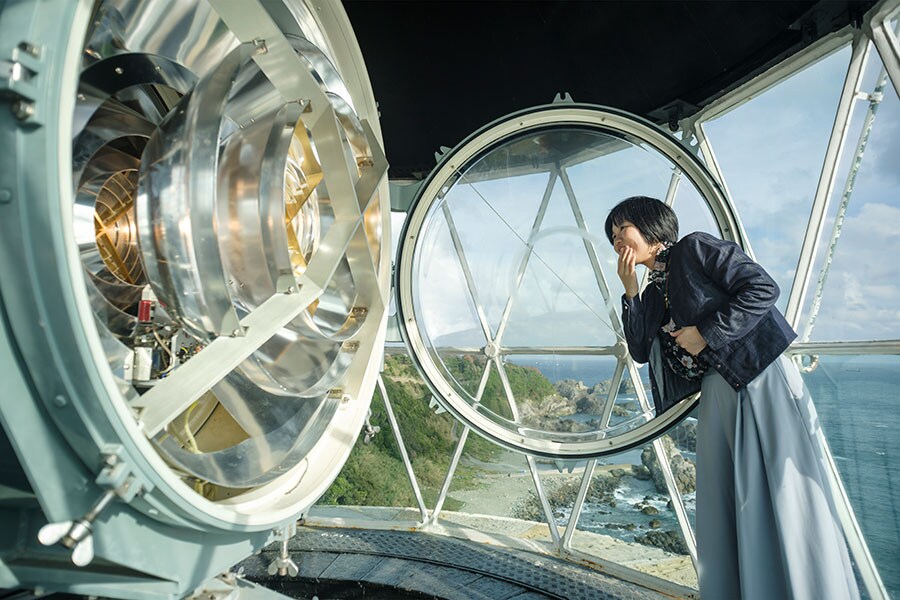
825	187
878	27
874	100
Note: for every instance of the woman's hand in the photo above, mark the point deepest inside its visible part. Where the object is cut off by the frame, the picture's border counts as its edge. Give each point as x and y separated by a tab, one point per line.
626	271
690	339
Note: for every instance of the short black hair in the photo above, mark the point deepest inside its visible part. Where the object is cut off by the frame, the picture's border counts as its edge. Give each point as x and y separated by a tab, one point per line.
653	218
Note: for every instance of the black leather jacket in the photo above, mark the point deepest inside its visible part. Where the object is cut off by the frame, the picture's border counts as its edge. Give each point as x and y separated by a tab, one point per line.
714	286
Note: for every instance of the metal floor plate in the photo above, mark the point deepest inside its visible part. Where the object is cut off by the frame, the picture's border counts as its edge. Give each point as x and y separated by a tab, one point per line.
432	566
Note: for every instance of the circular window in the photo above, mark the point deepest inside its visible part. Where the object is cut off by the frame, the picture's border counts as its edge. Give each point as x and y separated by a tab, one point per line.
507	287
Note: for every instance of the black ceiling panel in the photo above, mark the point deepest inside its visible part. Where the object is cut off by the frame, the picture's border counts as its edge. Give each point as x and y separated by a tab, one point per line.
441	70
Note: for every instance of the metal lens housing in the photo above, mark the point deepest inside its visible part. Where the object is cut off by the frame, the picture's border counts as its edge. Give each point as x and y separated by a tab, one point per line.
194	297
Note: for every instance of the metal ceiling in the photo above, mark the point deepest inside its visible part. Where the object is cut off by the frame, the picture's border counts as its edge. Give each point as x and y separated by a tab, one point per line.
440	70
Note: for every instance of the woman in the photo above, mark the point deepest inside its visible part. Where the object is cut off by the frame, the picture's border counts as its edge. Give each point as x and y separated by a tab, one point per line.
766	522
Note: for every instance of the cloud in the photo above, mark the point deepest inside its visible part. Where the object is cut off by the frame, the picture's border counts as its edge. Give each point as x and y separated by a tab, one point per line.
860	298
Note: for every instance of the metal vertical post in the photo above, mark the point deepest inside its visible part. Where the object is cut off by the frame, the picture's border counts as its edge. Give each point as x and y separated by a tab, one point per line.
395	427
826	179
457	453
579	503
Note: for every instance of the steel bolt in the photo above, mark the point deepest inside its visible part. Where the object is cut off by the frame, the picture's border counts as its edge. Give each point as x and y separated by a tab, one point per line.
30	49
5	196
22	109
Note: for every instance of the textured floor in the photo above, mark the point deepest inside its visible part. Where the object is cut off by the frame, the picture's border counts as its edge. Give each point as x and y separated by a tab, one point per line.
352	563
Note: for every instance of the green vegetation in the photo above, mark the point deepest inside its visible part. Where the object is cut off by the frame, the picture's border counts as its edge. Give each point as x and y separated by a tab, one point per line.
374	474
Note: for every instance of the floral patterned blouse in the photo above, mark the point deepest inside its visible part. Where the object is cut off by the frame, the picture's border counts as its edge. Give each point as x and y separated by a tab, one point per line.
679	360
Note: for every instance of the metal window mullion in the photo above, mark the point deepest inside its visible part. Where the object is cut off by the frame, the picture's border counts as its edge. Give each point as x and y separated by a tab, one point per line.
457	453
712	163
545	503
520	273
448	478
824	189
579	504
591	251
874	102
879	347
614	384
665	466
672	190
507	388
532	465
395	428
175	393
467	273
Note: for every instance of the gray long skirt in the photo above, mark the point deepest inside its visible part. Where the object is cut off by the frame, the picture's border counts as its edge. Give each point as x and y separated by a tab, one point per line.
766	522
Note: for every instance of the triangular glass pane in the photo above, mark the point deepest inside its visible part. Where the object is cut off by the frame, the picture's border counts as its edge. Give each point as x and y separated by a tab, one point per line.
855	296
491	481
559	301
771	152
600	183
445	310
514	200
491	246
374	475
628	516
693	211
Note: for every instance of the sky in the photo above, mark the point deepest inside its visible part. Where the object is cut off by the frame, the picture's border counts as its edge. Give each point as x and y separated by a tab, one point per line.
770	150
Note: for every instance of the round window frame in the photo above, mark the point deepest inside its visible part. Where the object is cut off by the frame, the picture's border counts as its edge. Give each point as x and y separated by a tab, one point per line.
603	120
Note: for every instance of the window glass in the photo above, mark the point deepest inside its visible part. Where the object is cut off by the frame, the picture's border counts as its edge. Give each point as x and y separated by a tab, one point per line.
856	398
854	289
771	151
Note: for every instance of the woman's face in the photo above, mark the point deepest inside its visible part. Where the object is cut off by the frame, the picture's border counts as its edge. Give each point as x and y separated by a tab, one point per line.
628	235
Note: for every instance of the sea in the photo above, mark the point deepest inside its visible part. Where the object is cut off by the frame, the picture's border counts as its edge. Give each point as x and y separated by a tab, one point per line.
858	402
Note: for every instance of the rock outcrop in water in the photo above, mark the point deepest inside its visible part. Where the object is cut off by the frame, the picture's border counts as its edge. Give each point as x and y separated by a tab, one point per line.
601	491
685	435
682	469
590	400
670	541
